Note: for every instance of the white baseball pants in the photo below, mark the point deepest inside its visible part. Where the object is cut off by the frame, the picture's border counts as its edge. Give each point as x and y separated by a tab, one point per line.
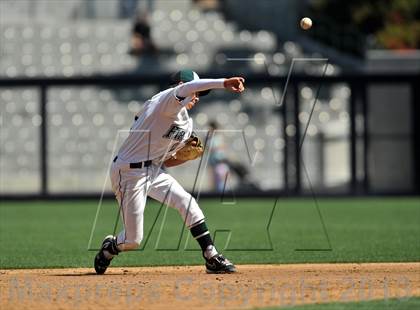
133	186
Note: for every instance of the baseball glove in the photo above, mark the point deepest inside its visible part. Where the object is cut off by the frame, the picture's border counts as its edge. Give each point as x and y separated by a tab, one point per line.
192	149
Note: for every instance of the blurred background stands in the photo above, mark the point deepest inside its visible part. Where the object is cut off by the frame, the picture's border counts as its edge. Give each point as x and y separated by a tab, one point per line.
85	38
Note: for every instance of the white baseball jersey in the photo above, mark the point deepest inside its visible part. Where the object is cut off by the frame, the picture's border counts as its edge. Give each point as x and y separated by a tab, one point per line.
163	125
161	128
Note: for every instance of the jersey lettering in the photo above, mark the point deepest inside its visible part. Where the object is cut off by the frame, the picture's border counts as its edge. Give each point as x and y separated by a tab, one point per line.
175	133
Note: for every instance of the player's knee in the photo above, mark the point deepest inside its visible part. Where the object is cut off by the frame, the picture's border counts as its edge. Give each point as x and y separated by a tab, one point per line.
129	246
132	244
137	241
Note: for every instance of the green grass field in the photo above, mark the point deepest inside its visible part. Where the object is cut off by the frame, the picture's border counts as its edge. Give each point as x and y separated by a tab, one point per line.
56	233
391	304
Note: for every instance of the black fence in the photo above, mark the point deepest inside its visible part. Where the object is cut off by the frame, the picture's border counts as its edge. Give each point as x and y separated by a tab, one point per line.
362	136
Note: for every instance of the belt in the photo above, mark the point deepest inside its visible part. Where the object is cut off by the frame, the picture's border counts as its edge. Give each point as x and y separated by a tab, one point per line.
139	165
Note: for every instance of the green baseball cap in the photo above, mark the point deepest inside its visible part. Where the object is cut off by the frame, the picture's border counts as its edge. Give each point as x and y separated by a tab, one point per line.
187	76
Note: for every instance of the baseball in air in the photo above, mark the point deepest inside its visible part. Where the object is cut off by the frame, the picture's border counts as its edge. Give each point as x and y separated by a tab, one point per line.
306	23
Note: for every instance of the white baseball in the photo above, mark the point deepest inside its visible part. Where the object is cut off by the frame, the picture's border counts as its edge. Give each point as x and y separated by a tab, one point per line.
306	23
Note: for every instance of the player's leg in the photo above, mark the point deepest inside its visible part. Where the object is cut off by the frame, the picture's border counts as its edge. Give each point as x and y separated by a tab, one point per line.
131	196
130	189
167	190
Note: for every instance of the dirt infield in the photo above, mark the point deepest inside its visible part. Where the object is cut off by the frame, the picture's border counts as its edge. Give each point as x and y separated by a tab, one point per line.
191	287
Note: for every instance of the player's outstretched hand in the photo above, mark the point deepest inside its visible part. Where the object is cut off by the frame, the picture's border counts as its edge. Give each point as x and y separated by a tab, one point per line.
235	84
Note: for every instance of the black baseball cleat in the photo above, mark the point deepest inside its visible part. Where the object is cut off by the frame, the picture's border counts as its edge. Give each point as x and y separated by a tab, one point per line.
219	264
101	262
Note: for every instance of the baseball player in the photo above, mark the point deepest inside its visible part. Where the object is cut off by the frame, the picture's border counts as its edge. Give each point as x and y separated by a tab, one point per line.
162	136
